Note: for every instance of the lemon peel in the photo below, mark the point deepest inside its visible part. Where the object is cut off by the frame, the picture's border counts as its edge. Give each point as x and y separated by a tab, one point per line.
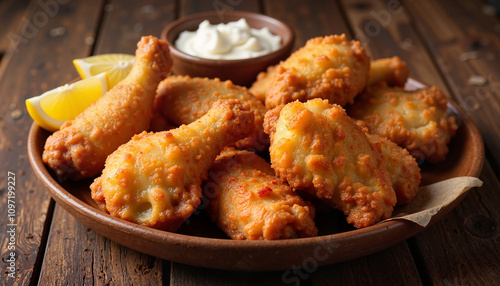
54	107
117	66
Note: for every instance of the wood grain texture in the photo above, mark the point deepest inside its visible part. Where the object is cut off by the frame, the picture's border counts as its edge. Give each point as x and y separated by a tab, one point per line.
188	7
124	22
463	248
12	16
75	253
185	275
385	30
33	67
393	266
323	18
465	43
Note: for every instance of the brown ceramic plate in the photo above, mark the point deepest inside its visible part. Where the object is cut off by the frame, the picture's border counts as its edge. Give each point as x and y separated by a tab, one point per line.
200	243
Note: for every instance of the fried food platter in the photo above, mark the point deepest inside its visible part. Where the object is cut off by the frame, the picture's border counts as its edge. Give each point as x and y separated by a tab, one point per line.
200	243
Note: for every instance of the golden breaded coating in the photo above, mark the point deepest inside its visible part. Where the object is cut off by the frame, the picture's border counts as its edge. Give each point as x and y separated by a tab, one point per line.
248	202
79	149
416	120
262	83
155	179
326	67
402	168
160	123
182	100
317	148
393	71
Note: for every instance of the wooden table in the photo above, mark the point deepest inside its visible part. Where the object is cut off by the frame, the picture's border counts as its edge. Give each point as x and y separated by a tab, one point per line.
454	45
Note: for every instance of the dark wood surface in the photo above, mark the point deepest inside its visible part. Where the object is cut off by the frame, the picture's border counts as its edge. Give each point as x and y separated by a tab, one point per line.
445	43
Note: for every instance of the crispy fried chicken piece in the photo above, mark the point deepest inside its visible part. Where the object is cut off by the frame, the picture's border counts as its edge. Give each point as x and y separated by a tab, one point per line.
182	100
326	67
317	148
155	179
160	123
248	202
393	71
79	149
262	83
402	168
416	120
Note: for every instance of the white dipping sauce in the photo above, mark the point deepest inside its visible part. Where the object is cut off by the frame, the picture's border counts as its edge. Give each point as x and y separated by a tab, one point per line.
234	40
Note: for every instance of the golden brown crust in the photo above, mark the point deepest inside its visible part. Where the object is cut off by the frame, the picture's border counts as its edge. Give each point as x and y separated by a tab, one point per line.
317	148
271	119
416	120
326	67
402	168
393	71
262	83
79	149
160	123
155	179
248	202
182	100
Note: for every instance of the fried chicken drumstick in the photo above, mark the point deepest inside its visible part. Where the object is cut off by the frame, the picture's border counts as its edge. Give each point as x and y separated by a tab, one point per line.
317	148
155	178
248	202
79	149
182	100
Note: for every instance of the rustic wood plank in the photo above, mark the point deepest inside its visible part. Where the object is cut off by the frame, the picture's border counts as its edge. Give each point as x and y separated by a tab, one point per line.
78	255
75	253
124	22
188	7
388	267
463	248
386	30
465	43
323	18
33	66
185	275
11	16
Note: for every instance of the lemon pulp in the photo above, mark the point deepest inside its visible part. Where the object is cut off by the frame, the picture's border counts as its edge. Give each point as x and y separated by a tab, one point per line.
116	66
51	109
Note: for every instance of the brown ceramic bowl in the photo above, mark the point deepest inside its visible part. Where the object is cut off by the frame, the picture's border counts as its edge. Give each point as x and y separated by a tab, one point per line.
199	242
242	72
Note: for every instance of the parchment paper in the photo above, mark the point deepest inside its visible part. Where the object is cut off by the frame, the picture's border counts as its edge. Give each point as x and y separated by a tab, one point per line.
431	198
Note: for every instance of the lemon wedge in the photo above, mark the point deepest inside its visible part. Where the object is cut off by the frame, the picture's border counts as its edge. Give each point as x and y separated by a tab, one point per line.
117	66
51	109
